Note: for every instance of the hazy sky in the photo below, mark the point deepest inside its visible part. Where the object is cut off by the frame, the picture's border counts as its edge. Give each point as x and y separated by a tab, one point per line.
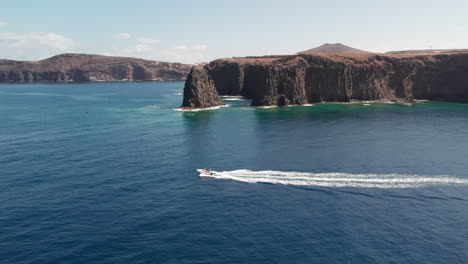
195	31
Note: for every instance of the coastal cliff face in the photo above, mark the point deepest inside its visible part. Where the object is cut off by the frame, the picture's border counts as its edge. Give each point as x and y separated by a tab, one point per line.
199	90
83	67
304	79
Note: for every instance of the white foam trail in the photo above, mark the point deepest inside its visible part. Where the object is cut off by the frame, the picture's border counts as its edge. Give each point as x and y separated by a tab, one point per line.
338	179
232	99
231	96
275	106
268	106
300	105
200	109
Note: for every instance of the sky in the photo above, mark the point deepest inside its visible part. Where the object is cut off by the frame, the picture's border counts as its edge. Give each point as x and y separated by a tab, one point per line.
200	31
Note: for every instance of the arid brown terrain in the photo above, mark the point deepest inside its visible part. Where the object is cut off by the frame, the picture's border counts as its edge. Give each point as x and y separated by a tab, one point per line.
428	51
84	67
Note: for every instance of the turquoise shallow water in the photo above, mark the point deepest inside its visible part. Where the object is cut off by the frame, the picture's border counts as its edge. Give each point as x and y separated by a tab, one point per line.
105	173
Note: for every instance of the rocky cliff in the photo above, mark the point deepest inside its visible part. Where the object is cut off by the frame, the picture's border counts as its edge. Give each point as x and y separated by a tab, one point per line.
84	67
199	90
304	79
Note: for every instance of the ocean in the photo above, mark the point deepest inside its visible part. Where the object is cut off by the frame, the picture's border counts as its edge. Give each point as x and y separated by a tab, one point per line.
106	173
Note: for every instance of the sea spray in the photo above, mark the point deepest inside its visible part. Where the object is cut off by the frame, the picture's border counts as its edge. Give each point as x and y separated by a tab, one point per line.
337	179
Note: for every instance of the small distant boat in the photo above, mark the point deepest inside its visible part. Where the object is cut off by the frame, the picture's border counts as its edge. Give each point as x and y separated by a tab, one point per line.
206	172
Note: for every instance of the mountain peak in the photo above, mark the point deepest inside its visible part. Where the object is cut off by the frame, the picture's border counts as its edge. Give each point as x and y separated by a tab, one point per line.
336	48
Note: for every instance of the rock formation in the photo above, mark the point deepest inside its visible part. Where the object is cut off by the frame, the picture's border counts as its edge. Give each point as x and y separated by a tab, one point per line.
303	79
199	90
84	67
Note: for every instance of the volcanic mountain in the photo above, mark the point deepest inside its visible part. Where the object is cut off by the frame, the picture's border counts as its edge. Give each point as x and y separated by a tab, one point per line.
336	48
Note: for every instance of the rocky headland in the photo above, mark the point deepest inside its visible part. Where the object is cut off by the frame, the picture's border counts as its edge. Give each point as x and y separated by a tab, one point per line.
85	67
312	78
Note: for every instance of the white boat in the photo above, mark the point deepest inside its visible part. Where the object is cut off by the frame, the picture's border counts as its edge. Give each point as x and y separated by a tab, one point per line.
205	172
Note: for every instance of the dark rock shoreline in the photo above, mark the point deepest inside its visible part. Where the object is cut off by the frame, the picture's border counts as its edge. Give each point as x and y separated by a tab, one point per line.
84	67
199	90
305	79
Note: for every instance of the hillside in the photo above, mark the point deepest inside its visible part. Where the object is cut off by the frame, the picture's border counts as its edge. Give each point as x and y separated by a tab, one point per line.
336	48
85	67
428	51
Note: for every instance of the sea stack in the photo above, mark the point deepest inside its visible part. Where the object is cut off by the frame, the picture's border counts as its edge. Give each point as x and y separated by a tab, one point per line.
199	90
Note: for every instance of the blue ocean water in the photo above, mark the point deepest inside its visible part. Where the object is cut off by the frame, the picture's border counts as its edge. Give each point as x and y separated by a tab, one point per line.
105	173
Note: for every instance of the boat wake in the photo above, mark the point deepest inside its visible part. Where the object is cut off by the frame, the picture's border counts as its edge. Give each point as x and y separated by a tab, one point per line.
336	179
